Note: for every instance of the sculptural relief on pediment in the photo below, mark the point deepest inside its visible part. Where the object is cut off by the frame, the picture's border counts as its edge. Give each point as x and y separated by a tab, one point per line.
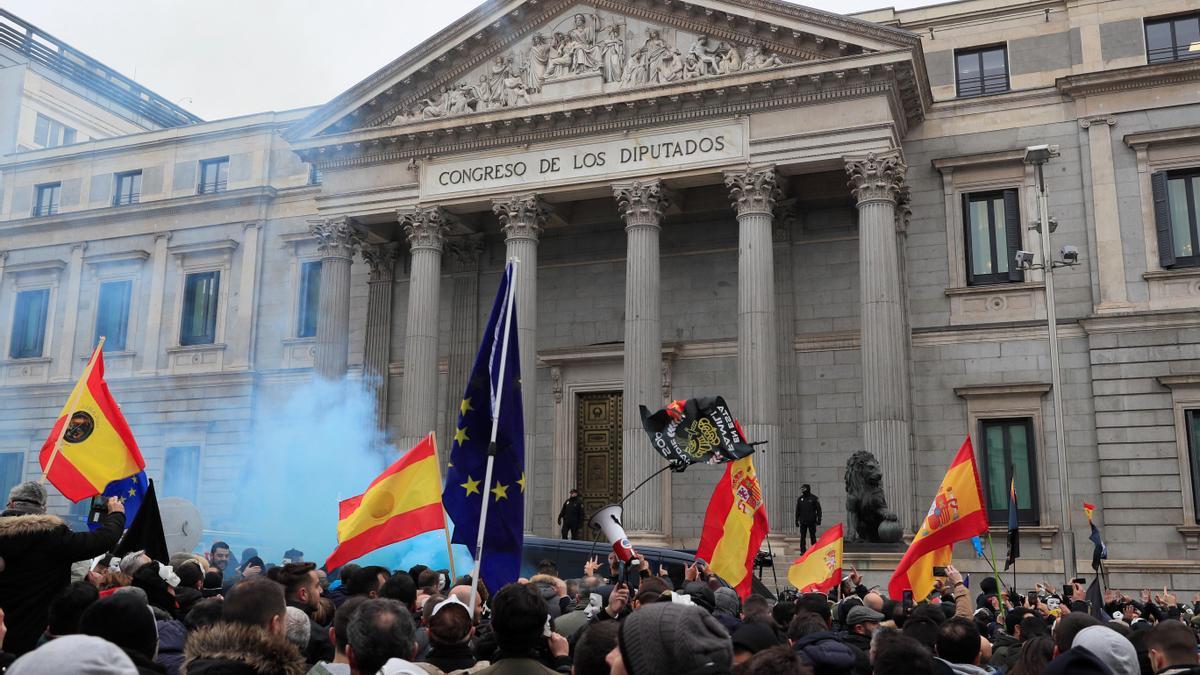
585	51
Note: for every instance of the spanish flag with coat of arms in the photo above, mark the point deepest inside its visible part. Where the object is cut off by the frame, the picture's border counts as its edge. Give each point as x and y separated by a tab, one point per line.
91	444
819	569
957	513
735	525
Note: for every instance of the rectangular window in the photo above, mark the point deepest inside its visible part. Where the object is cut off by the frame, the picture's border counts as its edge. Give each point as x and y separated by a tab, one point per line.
45	199
1008	455
1193	431
310	297
992	221
181	472
12	469
112	314
50	134
129	188
214	175
1176	212
1173	38
199	323
981	71
29	324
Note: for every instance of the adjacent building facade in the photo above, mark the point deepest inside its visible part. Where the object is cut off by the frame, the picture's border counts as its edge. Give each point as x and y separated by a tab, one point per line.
813	215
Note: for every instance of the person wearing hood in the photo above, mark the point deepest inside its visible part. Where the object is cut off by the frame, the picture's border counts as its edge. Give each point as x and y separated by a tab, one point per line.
249	638
1112	648
127	622
729	608
75	654
958	646
37	550
1172	649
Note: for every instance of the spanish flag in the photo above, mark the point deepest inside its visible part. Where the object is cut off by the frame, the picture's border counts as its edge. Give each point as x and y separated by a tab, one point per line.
820	568
957	513
91	444
404	501
734	525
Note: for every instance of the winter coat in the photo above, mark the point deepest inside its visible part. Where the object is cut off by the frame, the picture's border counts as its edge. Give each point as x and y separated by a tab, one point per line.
1006	649
172	636
828	654
571	513
517	666
965	668
808	510
319	647
37	551
451	658
236	649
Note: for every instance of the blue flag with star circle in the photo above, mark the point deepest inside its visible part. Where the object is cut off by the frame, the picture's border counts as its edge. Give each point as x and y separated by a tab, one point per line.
130	491
465	489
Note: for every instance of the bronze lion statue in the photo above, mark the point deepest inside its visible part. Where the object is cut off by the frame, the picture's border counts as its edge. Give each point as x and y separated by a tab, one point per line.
866	505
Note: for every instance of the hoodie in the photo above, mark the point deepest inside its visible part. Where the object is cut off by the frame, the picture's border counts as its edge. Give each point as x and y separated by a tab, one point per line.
966	668
828	654
228	647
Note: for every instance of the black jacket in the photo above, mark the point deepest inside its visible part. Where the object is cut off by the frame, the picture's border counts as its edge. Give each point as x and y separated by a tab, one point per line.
451	658
319	647
571	513
808	510
37	551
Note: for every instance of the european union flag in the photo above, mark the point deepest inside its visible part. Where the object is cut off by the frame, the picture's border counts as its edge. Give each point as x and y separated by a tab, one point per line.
494	391
131	491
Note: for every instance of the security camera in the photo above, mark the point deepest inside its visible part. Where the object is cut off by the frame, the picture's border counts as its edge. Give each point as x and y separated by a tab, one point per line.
1023	259
1069	254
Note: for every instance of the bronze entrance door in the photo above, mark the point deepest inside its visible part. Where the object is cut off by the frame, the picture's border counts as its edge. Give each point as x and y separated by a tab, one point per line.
598	449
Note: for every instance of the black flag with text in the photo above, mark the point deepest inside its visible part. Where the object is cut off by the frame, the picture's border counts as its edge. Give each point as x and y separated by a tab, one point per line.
695	430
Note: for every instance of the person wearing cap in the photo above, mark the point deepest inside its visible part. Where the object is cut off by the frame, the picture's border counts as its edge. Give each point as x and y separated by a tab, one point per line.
571	515
37	550
861	624
668	638
450	632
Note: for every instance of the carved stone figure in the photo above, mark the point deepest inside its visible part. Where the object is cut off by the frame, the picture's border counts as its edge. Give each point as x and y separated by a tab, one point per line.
866	505
731	62
708	54
559	62
582	47
539	60
612	55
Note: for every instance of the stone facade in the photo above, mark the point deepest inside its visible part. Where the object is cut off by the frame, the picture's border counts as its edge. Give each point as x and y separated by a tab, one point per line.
788	235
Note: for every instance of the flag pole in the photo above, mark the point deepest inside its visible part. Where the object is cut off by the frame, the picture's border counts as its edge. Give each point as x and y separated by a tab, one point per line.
491	460
445	519
75	395
996	574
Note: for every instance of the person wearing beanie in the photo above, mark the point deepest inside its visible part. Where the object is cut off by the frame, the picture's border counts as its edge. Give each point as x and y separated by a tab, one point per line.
729	608
667	638
37	550
129	624
155	579
750	639
1112	648
75	654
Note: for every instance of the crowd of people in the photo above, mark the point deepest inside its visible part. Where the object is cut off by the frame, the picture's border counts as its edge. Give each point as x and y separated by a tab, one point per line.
64	611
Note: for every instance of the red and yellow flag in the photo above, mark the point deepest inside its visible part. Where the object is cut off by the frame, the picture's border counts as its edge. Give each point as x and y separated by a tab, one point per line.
957	513
91	444
1088	509
404	501
734	525
820	567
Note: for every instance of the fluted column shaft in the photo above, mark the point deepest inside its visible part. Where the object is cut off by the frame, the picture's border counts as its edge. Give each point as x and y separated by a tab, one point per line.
754	194
377	348
522	218
338	239
426	230
878	183
641	206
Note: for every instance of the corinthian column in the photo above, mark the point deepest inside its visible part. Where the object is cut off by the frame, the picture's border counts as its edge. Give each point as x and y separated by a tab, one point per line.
426	229
754	194
641	205
377	351
878	183
522	217
337	240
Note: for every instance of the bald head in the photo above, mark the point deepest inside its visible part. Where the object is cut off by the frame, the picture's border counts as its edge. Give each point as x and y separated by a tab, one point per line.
463	593
874	601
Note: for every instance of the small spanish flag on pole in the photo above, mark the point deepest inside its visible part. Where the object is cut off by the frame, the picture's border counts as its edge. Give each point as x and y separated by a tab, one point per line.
404	501
820	568
957	513
735	525
91	444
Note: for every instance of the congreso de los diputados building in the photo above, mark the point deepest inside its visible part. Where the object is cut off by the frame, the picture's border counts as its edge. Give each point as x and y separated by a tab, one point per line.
833	221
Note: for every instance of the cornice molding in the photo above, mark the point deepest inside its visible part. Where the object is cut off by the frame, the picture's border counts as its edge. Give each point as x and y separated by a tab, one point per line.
1122	79
1163	136
943	164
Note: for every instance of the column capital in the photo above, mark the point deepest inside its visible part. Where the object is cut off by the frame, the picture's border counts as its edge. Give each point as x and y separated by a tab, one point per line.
336	237
522	216
426	226
642	203
754	190
462	253
382	260
877	177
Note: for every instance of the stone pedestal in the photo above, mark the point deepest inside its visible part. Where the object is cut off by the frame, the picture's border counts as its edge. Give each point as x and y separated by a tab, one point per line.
641	205
878	183
754	194
377	349
337	241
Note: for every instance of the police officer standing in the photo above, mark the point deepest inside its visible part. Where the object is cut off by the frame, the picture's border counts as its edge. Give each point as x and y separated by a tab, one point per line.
808	516
571	516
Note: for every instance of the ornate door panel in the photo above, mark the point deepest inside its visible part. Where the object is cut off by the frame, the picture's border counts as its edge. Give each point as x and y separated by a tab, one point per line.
598	449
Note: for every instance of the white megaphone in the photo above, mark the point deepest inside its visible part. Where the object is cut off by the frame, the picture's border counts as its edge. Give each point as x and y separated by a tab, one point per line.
608	519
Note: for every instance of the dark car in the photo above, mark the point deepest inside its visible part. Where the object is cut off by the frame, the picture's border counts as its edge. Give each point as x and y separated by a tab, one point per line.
570	555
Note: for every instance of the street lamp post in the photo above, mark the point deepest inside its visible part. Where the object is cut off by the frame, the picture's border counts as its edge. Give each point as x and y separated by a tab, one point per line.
1038	155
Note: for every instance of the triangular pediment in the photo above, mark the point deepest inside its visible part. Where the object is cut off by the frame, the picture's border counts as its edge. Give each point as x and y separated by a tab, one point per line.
511	55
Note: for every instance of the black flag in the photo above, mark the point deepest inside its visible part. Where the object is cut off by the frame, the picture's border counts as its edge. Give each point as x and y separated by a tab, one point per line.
1014	533
695	430
146	531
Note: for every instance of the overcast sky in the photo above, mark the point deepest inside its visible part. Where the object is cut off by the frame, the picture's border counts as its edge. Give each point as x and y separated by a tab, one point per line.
222	58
